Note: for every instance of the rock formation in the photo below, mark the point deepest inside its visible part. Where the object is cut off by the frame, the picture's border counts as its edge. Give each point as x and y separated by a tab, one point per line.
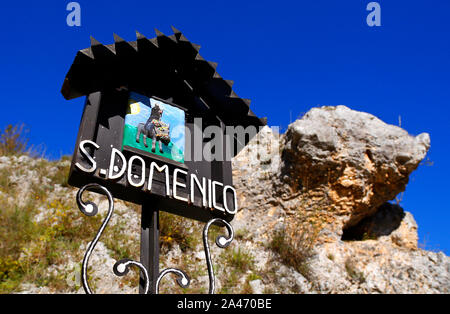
328	184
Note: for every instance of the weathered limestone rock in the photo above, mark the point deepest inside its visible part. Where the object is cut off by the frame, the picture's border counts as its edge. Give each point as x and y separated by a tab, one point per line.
376	266
257	286
330	178
353	160
334	167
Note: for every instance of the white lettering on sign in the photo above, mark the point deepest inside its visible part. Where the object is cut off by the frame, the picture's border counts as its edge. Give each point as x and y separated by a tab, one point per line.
118	166
209	194
160	169
201	187
176	183
130	174
114	168
214	183
225	188
86	155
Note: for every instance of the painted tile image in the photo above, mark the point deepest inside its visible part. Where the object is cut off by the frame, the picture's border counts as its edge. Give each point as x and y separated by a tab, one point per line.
154	127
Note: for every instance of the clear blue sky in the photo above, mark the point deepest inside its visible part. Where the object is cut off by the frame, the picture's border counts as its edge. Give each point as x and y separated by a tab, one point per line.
287	56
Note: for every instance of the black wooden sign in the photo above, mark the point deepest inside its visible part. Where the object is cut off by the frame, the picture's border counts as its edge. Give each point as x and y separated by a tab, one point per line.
149	127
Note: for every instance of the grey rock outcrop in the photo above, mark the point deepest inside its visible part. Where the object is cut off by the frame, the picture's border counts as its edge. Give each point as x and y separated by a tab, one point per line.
358	161
331	176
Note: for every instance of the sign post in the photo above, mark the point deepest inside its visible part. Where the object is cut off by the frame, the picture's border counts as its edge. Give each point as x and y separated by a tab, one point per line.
159	129
149	246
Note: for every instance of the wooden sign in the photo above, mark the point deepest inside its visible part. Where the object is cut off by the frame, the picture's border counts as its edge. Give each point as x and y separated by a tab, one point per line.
143	134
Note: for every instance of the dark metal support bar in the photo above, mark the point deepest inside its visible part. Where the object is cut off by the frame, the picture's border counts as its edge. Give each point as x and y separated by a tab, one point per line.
149	246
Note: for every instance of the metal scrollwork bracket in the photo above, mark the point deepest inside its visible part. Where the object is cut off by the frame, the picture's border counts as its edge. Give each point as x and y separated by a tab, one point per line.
90	209
122	267
221	242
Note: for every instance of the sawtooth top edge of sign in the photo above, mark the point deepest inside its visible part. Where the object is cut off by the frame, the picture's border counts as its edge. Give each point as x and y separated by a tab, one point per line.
162	59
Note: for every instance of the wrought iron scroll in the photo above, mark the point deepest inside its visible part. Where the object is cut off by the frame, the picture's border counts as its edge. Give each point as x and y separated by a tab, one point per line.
88	208
122	267
182	279
221	242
